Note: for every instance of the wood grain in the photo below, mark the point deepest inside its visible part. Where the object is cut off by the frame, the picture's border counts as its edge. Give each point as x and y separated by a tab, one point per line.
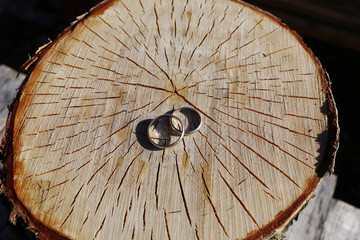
10	80
76	164
342	222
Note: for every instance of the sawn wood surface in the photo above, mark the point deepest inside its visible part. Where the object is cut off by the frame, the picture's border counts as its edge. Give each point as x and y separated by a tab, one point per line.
77	160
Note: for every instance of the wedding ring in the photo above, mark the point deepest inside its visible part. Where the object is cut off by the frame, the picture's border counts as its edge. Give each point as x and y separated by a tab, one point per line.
160	132
190	117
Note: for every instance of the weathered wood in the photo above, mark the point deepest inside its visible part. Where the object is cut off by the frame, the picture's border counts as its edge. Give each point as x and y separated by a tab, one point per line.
10	80
310	222
2	126
79	166
343	222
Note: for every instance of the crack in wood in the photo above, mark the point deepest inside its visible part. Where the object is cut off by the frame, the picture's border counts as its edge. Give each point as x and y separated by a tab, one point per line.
156	186
281	149
97	171
99	229
166	225
115	67
270	163
230	36
217	216
181	189
95	33
239	200
198	148
67	217
247	169
127	169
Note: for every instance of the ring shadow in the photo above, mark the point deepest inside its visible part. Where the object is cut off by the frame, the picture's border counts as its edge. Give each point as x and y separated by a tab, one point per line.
141	135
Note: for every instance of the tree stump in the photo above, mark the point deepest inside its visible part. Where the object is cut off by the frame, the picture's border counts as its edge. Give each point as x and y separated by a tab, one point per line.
77	159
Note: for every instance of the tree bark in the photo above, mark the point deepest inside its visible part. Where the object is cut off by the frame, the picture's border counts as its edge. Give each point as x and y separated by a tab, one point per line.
77	160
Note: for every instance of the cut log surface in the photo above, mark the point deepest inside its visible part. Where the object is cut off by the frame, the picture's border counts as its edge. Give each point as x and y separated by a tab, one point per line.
77	160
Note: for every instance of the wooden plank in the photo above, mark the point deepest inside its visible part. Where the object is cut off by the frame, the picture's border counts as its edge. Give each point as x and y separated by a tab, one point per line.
309	224
9	82
2	126
343	222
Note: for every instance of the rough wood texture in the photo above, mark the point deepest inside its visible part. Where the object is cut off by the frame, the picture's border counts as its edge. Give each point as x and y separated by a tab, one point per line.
77	161
10	80
343	222
315	213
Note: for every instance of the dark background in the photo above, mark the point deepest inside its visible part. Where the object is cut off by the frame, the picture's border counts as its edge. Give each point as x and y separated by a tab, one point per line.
333	35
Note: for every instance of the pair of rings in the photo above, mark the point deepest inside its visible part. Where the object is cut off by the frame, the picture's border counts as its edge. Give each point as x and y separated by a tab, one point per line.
165	128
